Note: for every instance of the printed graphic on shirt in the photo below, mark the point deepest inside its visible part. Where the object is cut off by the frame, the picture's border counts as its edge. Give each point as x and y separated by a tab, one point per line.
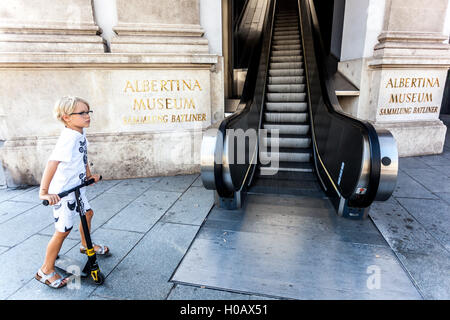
82	177
83	149
71	206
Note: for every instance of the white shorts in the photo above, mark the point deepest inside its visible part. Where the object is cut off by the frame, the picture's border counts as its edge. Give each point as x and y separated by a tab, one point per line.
65	213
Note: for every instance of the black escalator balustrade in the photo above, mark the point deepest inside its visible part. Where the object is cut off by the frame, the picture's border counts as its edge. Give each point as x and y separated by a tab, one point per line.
307	146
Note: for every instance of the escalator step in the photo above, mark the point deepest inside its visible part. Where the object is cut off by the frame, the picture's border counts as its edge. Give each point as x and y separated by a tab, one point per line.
286	106
286	33
285	173
286	156
286	72
286	53
286	88
294	42
286	117
287	128
282	19
286	80
287	142
286	47
285	65
286	23
285	37
285	29
286	97
288	28
298	167
286	59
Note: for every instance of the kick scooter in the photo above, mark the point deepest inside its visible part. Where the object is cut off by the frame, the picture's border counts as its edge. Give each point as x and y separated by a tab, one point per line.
65	263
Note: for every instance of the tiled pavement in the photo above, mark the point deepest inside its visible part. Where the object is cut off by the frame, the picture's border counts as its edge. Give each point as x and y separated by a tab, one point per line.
415	221
150	223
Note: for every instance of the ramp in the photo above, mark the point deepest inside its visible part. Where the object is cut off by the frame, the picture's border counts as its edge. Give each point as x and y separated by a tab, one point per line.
293	248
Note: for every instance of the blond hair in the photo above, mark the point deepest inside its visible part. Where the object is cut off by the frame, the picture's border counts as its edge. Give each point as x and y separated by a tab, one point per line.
66	105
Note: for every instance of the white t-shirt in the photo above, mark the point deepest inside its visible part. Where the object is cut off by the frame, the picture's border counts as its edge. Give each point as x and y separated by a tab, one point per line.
71	151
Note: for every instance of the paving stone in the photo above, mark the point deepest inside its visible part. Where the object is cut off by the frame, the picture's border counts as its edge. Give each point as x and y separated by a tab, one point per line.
3	249
31	195
182	292
431	179
146	270
134	187
436	160
19	265
198	182
410	188
426	260
119	242
10	209
23	226
175	183
433	215
95	190
412	163
9	193
141	214
445	170
444	196
192	208
107	205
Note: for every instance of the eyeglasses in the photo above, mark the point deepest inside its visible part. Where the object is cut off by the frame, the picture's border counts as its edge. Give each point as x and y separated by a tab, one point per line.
83	113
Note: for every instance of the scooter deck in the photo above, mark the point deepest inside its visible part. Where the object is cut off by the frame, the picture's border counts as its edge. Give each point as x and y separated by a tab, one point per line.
72	266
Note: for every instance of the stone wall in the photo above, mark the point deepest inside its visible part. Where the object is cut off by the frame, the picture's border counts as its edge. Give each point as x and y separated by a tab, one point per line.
401	75
152	95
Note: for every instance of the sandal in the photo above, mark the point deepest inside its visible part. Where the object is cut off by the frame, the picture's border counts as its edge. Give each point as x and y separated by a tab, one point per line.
101	250
44	278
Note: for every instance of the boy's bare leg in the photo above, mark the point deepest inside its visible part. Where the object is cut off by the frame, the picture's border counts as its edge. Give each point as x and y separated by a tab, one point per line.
88	215
53	248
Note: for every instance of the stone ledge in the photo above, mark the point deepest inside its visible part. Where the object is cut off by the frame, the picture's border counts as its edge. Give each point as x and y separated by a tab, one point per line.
145	29
54	28
410	62
106	60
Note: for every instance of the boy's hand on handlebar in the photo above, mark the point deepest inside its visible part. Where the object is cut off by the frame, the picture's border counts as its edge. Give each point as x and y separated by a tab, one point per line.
96	178
51	198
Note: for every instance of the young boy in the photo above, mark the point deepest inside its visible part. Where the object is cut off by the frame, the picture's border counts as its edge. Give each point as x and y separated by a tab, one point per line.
66	168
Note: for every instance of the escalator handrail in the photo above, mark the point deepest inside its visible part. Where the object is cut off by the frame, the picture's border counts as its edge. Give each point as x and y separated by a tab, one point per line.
335	110
238	21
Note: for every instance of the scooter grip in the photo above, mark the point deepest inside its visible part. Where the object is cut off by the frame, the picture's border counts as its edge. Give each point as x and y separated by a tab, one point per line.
45	202
92	180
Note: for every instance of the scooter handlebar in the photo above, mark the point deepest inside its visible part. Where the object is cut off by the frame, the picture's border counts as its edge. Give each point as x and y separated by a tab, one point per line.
65	193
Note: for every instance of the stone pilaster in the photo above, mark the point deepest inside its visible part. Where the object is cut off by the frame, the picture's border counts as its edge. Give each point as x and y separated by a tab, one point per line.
402	83
159	27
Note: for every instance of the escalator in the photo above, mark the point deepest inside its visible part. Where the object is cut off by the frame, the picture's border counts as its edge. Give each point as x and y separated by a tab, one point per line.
286	112
286	162
289	136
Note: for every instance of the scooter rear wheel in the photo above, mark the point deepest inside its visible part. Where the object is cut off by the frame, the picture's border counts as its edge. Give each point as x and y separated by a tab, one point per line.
101	279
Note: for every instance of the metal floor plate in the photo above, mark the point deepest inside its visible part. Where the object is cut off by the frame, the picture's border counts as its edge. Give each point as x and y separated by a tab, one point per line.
294	248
